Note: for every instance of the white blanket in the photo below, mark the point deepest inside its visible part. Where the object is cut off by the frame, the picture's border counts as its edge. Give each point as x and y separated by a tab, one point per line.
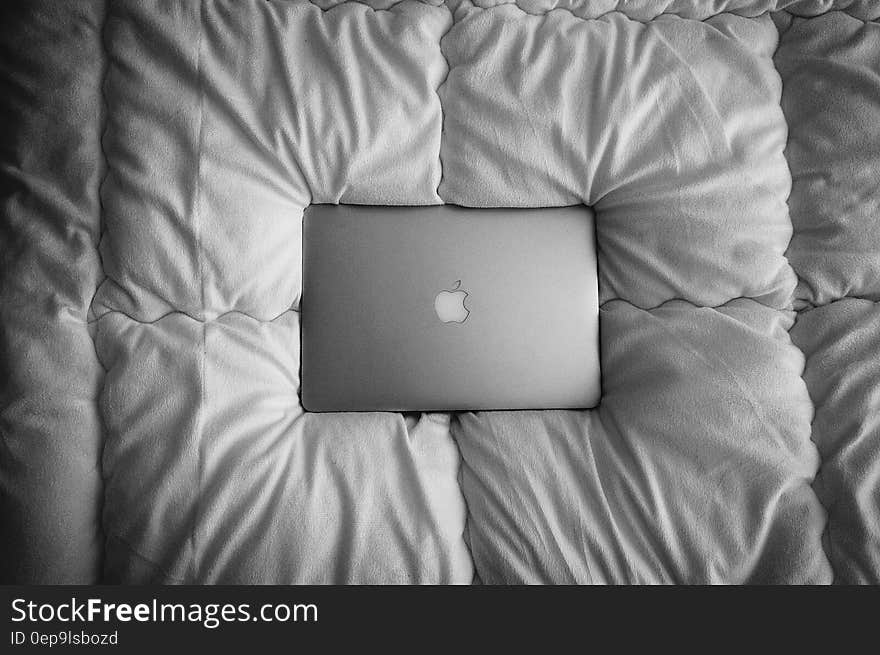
150	426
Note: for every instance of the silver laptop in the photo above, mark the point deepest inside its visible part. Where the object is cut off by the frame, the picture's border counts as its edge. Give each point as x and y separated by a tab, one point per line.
449	308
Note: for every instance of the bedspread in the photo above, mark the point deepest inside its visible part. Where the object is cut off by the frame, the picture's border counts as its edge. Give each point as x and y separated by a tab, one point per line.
156	162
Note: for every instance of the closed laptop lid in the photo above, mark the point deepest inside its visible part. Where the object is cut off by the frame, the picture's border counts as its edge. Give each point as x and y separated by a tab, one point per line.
449	308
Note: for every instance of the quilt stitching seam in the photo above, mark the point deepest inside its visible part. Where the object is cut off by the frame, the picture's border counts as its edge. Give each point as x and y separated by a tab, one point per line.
544	14
105	123
440	102
197	219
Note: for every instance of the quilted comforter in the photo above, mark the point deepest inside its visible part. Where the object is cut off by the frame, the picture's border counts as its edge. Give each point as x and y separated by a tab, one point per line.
156	158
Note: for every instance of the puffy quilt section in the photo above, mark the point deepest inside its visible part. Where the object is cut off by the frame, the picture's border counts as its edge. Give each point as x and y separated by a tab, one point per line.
242	486
228	118
671	129
831	68
841	341
696	467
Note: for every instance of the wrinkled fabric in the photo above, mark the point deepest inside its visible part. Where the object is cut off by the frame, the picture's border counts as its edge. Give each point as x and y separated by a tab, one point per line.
232	118
671	130
51	66
831	68
841	341
266	107
156	164
242	486
696	467
646	10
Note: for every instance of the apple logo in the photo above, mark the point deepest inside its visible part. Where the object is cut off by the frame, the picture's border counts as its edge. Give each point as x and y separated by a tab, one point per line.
449	305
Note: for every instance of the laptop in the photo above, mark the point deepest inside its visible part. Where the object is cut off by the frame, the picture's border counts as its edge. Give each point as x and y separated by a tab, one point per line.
445	308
